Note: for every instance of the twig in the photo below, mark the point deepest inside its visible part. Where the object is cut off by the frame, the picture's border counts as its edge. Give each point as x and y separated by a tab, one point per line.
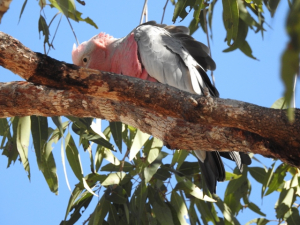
123	160
73	31
144	12
54	33
208	43
87	220
164	10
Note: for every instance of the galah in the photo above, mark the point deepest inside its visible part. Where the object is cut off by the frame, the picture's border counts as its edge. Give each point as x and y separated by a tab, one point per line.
165	54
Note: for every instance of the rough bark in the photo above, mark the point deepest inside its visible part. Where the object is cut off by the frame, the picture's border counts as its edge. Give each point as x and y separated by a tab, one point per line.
180	119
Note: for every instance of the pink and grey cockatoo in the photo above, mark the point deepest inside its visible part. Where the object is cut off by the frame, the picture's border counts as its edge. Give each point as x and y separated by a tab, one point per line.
165	54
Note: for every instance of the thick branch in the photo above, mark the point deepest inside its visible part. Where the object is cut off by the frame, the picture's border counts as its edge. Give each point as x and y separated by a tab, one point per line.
167	113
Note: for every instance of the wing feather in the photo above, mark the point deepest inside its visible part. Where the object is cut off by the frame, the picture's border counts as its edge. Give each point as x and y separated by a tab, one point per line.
167	60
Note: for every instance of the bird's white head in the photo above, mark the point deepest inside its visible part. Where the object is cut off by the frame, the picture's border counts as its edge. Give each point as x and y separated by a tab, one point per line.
92	53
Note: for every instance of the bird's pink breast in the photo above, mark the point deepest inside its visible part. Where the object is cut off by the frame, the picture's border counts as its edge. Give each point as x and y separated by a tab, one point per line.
126	61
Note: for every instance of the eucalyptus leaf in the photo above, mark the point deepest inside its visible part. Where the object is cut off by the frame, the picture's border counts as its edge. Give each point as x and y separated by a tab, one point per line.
138	141
23	135
116	130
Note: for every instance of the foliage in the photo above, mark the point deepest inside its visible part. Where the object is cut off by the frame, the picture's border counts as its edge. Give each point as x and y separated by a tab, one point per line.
147	189
149	185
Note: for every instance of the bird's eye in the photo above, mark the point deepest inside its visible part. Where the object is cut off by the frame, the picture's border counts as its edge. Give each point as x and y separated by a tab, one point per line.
85	60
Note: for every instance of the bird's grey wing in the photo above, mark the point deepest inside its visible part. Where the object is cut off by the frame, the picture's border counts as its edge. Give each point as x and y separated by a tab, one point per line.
167	60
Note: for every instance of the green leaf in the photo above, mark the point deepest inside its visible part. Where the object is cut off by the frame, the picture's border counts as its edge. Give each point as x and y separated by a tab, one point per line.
293	218
109	156
73	157
280	104
236	189
10	147
127	167
4	127
100	212
180	207
139	198
44	28
76	192
91	180
180	7
284	203
49	172
116	130
116	195
231	19
225	209
232	176
210	14
272	6
267	180
179	157
162	173
258	174
57	121
289	68
150	170
138	141
192	214
192	189
258	221
113	215
23	135
99	157
160	209
152	149
198	17
78	206
43	149
189	168
246	16
115	178
255	208
67	7
240	41
22	10
290	57
207	212
39	131
98	140
277	179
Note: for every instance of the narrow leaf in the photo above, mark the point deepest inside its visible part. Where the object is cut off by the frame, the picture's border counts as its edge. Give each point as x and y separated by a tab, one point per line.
116	130
23	135
138	141
180	207
22	10
231	19
39	131
114	178
73	157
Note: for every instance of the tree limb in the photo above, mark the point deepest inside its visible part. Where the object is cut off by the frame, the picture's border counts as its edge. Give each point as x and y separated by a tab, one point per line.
182	120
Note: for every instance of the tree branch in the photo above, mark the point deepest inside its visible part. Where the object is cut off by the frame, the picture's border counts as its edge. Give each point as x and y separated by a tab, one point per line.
182	120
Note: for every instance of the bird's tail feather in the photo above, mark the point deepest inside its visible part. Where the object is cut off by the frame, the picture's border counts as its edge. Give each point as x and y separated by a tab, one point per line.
212	170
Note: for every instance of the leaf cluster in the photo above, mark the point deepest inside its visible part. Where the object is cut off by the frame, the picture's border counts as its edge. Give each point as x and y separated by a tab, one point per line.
141	188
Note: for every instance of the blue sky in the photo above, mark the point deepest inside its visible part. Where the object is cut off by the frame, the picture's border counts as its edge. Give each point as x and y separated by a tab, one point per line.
237	77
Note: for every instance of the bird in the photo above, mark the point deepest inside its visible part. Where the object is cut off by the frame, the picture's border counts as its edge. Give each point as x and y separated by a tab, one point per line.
165	54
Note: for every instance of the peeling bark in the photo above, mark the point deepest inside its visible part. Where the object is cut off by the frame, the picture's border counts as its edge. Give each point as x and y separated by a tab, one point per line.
182	120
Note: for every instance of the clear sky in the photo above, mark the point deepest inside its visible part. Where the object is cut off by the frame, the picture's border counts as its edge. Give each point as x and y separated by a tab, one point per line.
237	77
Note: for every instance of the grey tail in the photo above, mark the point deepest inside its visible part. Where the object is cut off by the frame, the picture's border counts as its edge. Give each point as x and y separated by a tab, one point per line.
212	170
